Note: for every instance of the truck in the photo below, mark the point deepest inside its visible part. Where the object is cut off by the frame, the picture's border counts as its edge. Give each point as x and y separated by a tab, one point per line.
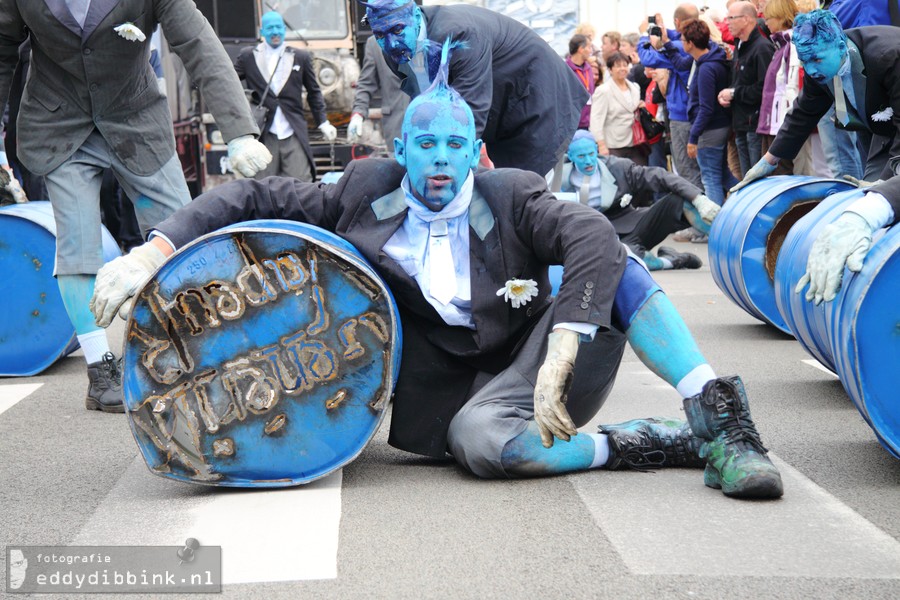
331	30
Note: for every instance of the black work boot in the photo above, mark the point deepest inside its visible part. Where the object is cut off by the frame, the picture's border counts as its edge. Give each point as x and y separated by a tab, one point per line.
105	385
737	462
679	260
646	444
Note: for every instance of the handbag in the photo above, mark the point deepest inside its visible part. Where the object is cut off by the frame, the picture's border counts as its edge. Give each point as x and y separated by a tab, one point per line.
652	128
260	112
638	137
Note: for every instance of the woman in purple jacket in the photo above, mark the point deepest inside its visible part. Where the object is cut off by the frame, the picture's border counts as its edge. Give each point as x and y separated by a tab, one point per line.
711	123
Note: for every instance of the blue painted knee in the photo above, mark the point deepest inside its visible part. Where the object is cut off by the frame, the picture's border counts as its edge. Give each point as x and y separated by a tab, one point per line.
525	455
635	288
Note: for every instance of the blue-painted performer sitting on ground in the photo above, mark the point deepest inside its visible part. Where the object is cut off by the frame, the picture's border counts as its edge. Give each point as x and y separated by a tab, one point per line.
607	183
493	370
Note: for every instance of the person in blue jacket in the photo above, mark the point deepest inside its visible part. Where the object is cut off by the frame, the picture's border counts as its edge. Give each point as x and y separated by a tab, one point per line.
666	52
853	13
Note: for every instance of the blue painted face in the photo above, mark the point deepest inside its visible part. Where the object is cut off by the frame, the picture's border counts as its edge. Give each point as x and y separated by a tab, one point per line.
583	154
272	29
438	150
822	60
397	33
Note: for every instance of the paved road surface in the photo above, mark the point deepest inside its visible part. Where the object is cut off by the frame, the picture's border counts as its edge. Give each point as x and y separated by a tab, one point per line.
392	525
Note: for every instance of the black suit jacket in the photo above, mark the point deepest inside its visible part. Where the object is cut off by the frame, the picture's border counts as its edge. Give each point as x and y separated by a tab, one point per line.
290	98
517	229
879	47
526	100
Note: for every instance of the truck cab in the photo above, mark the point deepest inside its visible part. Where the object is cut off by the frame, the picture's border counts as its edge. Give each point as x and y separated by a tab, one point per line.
331	30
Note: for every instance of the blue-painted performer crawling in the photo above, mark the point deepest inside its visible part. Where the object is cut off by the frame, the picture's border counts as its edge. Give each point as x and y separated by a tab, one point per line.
493	370
607	183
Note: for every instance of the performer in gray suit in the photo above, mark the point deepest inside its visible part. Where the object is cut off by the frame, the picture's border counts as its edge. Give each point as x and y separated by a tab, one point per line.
526	100
492	375
376	76
91	102
608	184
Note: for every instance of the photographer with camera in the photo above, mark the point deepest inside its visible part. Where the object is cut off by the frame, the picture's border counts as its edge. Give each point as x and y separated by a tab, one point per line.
661	48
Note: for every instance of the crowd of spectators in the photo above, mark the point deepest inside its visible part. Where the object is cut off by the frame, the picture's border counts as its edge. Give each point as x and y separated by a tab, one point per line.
722	82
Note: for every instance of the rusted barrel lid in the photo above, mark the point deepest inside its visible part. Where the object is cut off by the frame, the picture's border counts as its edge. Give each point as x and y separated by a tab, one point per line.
260	355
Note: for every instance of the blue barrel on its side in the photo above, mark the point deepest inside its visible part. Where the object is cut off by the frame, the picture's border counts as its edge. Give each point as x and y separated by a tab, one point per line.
260	355
35	330
865	338
746	237
806	320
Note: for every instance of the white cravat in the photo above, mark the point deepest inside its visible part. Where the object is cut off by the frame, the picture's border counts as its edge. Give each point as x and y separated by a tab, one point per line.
440	262
411	248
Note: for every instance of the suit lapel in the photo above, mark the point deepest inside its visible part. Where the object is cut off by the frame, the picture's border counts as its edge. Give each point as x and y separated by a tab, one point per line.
284	68
96	13
380	223
60	10
487	268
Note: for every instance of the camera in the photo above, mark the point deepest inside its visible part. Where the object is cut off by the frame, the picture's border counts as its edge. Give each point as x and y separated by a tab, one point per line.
654	29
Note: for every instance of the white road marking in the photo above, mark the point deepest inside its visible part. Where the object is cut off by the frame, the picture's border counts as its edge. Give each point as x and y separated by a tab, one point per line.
266	535
13	393
814	363
670	523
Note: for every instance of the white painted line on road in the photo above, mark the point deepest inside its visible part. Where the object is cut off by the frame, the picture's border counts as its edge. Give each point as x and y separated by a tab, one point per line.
814	363
13	393
277	535
266	535
669	523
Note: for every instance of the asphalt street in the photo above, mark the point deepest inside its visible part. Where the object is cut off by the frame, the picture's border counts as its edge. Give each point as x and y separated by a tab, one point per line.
394	525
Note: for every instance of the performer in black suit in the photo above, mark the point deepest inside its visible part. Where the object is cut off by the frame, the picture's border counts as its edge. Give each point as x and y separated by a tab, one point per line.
290	70
526	101
864	65
495	375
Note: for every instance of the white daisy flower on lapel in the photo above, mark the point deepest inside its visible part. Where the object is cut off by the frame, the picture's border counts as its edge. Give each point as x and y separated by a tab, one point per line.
130	32
883	115
625	201
519	292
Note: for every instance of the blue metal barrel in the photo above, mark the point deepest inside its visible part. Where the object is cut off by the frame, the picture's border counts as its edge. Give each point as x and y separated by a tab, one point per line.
865	338
806	320
260	355
35	330
746	237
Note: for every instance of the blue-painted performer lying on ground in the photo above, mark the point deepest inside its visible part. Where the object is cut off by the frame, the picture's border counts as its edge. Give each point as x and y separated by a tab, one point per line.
608	183
496	377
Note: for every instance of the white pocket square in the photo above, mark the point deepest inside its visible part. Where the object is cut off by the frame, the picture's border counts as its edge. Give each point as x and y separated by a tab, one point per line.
295	68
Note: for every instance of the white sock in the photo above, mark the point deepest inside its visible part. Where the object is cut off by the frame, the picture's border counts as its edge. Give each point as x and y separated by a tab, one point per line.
94	345
601	449
692	383
667	264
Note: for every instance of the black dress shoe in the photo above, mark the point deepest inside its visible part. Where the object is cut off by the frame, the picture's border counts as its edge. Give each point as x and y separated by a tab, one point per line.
679	260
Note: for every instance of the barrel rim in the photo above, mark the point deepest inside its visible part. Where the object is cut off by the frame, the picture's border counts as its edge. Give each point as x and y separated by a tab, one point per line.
357	261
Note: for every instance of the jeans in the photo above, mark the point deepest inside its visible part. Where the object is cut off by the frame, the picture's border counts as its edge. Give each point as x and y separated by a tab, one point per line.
840	148
684	164
717	178
749	149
